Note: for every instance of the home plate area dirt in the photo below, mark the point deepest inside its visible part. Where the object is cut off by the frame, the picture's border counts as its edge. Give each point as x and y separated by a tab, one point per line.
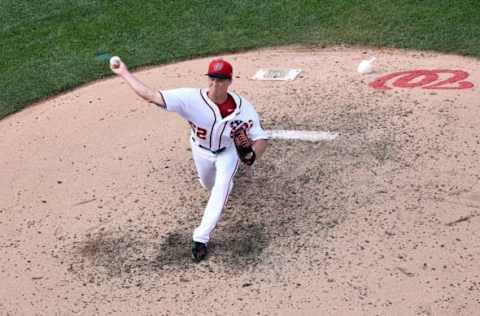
100	195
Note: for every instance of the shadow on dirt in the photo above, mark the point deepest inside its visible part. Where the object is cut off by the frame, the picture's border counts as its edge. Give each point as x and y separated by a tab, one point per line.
130	254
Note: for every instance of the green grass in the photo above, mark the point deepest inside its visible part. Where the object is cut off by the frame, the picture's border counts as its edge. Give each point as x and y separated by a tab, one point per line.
49	46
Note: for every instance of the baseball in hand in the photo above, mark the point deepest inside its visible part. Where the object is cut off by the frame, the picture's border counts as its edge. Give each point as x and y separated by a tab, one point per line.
115	62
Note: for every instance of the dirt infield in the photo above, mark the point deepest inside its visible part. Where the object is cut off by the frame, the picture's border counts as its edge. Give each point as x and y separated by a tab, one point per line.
100	195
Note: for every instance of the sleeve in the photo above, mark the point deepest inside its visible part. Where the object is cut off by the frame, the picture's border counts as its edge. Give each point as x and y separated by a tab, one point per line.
256	131
176	100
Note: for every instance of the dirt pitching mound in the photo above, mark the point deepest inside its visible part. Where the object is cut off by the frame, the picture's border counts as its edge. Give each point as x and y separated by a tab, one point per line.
100	195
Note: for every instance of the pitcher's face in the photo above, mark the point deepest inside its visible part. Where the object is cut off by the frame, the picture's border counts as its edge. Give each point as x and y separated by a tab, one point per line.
217	87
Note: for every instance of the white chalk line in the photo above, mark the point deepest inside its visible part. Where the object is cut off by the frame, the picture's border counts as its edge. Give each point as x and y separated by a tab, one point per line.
312	136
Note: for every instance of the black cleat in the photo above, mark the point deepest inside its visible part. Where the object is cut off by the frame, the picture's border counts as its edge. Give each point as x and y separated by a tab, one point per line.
199	251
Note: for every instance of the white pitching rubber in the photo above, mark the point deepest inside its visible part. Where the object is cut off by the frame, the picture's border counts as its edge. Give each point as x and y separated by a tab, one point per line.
311	136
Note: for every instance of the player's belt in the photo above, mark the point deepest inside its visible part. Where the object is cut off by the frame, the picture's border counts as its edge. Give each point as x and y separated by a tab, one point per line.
212	151
206	148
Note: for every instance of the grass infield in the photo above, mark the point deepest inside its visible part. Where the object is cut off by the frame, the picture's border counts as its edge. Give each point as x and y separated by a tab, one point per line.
52	46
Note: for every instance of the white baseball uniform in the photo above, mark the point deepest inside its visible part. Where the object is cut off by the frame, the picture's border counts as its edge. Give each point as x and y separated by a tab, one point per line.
212	144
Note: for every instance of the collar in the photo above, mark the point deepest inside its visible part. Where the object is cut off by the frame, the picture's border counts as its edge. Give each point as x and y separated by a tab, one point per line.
236	98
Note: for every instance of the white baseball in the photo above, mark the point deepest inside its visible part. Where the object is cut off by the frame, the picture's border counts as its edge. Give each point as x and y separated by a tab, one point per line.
115	62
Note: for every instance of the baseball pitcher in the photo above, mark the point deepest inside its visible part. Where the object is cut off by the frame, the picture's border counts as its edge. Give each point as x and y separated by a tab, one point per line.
225	130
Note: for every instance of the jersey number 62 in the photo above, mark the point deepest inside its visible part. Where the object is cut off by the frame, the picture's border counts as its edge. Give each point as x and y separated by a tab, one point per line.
199	132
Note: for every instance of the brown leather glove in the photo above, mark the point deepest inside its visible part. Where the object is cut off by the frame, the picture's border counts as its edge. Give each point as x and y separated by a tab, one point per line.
244	146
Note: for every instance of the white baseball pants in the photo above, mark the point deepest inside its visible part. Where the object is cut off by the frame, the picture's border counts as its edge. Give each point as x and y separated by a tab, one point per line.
216	173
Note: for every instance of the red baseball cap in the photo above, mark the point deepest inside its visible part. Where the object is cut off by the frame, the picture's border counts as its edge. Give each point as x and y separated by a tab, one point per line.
220	68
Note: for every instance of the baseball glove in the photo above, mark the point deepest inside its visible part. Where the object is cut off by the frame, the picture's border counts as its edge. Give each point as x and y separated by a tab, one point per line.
244	146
